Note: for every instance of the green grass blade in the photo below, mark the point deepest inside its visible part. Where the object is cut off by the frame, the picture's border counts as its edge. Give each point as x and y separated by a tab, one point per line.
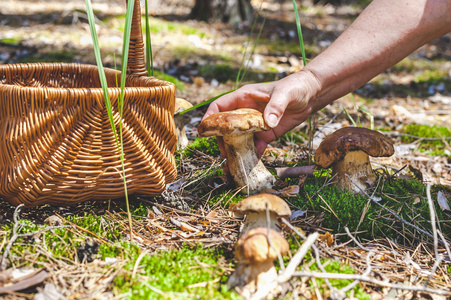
204	102
125	49
103	81
370	116
149	57
252	53
299	28
350	118
240	77
356	108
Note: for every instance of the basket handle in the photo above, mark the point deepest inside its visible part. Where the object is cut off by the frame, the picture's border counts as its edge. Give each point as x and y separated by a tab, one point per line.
136	65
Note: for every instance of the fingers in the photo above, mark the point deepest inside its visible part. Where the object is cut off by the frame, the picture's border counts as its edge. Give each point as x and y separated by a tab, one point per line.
250	96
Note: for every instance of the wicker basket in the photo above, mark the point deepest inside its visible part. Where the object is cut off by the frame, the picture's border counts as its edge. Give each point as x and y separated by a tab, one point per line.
56	142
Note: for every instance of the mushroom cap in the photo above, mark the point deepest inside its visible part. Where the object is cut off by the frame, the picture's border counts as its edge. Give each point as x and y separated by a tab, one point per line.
181	105
336	145
257	203
232	123
253	247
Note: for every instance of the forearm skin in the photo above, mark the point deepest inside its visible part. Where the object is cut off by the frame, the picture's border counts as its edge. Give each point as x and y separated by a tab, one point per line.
385	32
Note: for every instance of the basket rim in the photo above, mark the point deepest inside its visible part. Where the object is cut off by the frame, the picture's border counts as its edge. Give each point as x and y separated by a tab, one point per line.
77	68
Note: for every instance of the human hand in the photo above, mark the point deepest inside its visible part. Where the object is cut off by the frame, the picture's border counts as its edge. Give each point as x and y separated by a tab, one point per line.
285	104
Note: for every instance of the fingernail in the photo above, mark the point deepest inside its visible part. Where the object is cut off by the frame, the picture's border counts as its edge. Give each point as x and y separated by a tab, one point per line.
272	120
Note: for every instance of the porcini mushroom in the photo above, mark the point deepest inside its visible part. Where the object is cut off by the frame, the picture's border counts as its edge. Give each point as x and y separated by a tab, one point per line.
254	208
255	274
181	105
237	129
347	151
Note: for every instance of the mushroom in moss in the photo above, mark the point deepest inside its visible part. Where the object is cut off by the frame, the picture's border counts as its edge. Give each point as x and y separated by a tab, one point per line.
254	208
255	275
347	151
181	105
237	129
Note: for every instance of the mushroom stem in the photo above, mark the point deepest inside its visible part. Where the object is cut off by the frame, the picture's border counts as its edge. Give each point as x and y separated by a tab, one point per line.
254	281
245	166
182	139
258	219
356	164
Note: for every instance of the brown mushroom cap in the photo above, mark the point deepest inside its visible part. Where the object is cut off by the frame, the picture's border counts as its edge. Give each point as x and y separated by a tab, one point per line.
336	145
257	203
253	247
181	105
232	123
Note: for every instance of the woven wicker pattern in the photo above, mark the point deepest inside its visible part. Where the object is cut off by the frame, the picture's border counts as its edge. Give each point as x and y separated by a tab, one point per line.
56	142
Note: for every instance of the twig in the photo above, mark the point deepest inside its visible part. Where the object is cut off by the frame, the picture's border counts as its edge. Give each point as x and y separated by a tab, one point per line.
354	239
294	172
368	264
392	212
15	235
438	258
297	258
370	280
315	250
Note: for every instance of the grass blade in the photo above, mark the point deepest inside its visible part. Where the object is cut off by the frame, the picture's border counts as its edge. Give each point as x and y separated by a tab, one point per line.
103	81
149	57
239	77
95	41
299	28
252	53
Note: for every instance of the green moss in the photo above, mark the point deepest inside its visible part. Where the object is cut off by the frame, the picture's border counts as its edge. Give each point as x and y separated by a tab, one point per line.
172	272
405	197
433	147
333	266
208	146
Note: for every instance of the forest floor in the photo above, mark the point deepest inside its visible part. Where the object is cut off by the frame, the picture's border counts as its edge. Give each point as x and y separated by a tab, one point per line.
410	103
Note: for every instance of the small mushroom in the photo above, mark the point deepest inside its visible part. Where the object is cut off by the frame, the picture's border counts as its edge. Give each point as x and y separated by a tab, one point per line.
255	274
181	105
237	129
347	151
254	208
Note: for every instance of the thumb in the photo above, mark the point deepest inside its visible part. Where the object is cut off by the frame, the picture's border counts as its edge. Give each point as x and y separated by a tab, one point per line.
275	108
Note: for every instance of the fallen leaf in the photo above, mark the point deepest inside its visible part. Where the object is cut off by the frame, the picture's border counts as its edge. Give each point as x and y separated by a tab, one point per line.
297	214
290	191
327	238
186	227
442	201
25	281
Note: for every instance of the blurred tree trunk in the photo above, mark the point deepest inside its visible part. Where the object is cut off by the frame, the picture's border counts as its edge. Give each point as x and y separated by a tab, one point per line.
227	11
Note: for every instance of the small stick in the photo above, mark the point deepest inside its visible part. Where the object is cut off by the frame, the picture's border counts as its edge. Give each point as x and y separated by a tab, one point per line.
370	280
315	249
15	235
393	213
438	258
294	172
296	259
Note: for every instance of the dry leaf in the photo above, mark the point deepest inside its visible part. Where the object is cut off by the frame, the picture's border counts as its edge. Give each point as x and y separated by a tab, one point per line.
442	201
327	238
187	227
290	191
211	216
